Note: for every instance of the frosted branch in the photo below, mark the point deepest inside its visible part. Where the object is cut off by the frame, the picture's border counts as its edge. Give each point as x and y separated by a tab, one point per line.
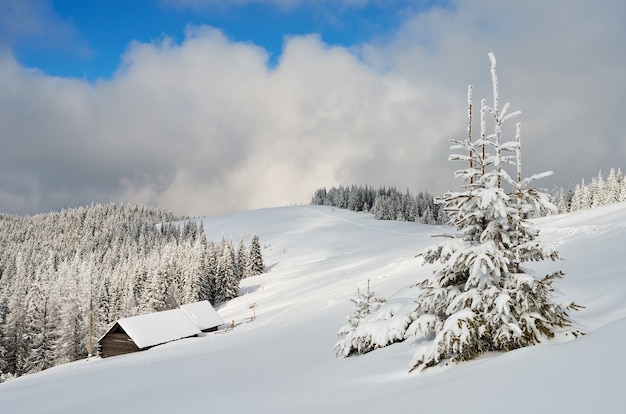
494	80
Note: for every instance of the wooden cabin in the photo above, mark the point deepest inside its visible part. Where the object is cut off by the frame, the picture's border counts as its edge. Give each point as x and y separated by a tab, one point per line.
142	332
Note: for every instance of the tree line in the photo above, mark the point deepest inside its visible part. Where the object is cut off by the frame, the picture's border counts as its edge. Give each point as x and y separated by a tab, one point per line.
598	192
384	203
66	276
390	204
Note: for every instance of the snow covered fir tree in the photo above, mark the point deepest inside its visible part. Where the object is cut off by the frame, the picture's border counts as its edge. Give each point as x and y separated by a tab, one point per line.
365	303
481	297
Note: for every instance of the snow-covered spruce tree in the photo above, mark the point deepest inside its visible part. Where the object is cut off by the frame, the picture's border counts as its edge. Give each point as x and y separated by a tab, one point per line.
482	298
364	305
255	262
242	259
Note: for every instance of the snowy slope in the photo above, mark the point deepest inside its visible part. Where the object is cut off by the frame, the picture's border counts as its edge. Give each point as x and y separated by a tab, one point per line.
283	362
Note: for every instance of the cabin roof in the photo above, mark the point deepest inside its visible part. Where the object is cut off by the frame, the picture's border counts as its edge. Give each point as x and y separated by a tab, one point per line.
158	328
202	314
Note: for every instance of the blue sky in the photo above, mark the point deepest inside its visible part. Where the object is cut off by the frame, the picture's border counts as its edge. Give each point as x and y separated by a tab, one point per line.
86	39
257	103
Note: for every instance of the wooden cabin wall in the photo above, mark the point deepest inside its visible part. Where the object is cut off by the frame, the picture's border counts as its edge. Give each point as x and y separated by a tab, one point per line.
113	344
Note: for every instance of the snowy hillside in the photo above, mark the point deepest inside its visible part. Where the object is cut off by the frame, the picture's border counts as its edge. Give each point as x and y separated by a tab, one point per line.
283	362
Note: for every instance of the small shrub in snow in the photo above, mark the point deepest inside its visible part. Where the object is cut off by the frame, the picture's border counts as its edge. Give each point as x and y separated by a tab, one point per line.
364	305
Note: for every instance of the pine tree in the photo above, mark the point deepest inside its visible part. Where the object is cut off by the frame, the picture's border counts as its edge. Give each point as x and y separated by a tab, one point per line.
195	285
612	188
230	269
4	310
586	196
559	200
242	259
154	298
598	191
42	321
212	271
364	305
15	330
256	266
203	257
481	298
73	311
577	199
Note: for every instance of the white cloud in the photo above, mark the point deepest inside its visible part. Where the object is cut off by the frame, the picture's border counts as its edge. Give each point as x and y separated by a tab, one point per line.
560	62
244	136
205	126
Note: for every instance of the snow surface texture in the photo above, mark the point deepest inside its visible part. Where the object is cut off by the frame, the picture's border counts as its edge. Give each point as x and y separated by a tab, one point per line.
283	362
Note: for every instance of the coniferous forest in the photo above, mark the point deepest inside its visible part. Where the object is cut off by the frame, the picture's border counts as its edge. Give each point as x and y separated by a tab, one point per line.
66	276
598	192
384	203
391	204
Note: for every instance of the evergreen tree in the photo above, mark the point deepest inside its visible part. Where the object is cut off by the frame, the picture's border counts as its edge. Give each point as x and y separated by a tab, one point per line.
231	272
4	311
612	188
577	199
256	266
203	269
242	260
74	335
364	305
157	288
481	298
586	196
560	201
227	282
212	271
598	191
195	286
42	322
15	330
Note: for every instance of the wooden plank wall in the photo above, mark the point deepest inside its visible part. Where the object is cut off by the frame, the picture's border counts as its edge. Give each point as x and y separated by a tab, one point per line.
116	344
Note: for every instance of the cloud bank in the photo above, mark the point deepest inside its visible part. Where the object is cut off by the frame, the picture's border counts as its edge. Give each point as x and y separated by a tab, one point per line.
207	126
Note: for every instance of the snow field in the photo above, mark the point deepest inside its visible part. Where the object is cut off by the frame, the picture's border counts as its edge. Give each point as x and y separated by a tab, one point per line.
283	361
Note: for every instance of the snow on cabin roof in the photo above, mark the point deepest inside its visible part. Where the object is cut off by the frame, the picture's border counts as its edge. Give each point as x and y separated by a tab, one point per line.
202	314
159	327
